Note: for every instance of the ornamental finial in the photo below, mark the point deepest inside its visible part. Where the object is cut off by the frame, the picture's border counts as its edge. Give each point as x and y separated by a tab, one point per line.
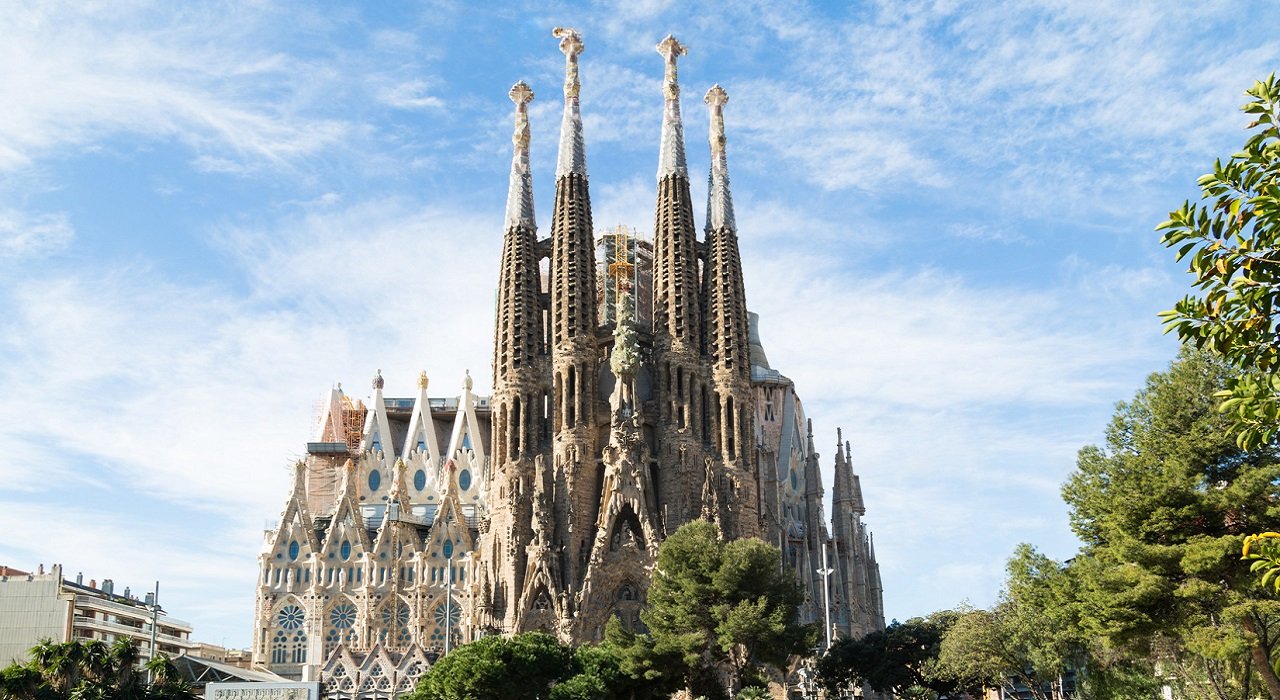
719	201
422	380
571	46
671	48
671	150
466	381
520	190
572	158
716	98
377	381
522	95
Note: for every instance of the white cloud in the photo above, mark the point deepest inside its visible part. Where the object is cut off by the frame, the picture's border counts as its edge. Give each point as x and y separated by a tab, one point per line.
29	236
75	74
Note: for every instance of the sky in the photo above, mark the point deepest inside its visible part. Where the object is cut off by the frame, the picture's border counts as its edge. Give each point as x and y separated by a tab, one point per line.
210	214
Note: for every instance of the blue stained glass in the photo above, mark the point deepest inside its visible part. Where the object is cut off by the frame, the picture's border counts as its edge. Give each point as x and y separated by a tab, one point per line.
375	480
293	549
464	479
346	549
448	549
419	480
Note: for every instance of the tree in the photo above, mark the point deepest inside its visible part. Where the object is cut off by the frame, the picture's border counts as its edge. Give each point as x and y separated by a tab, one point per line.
1028	641
900	659
720	613
91	670
524	667
1232	237
1162	511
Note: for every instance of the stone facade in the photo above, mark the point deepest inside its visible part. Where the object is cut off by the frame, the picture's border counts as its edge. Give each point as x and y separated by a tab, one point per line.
417	524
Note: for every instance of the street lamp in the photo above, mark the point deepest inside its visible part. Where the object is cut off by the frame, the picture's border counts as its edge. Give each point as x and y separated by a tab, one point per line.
154	602
826	572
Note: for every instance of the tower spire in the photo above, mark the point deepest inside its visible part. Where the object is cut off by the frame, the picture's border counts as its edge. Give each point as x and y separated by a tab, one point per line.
520	191
719	201
519	368
671	153
574	352
572	157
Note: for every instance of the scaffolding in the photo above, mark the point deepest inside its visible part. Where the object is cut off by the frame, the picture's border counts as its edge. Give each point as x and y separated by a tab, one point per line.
353	413
624	260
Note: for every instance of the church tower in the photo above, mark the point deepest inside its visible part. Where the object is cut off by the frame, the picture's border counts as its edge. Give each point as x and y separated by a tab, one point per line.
519	389
574	349
728	354
683	421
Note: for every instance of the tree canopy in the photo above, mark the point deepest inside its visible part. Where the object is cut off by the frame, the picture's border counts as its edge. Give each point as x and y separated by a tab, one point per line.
92	670
1231	239
901	659
1162	510
721	613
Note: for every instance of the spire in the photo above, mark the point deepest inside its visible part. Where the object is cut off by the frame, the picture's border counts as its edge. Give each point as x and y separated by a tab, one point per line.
719	201
520	193
846	492
671	153
859	506
573	157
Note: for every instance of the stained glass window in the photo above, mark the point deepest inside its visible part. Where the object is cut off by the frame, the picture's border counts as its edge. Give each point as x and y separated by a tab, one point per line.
290	617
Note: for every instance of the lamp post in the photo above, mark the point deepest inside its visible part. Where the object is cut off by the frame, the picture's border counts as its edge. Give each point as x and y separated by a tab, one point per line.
826	572
155	618
448	599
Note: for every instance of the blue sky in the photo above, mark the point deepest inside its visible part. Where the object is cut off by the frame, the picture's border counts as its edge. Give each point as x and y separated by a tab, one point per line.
209	214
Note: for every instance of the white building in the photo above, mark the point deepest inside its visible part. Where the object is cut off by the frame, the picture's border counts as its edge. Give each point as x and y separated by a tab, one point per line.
38	606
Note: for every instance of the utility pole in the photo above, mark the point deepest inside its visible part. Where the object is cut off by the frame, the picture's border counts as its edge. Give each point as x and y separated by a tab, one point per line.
155	617
826	572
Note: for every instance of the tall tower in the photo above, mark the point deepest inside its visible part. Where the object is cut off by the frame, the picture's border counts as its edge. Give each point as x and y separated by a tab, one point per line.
677	333
725	315
574	351
519	371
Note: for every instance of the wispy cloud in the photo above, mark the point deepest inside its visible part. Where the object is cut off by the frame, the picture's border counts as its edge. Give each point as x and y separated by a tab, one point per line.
76	73
25	235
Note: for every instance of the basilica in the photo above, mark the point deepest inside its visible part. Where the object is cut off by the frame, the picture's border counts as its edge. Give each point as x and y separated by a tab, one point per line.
631	394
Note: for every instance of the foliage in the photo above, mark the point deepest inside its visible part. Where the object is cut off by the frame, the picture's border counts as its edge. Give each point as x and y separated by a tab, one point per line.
1162	510
1232	240
91	671
524	667
900	659
1027	641
534	666
719	613
1263	550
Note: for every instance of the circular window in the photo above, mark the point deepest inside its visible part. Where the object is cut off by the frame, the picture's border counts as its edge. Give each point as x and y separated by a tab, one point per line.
343	616
447	614
293	549
375	480
464	479
290	617
448	549
419	480
346	549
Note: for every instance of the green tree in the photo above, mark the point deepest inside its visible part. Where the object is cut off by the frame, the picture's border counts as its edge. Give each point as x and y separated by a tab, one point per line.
524	667
1162	510
720	613
900	659
91	670
1232	240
